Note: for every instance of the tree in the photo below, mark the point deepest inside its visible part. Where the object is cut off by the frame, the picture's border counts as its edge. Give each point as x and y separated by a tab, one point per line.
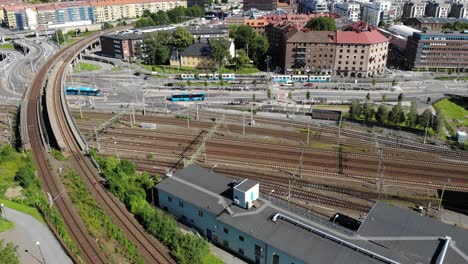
424	118
258	49
394	82
367	110
400	97
8	253
384	98
254	97
321	24
290	96
412	118
355	109
241	59
144	22
368	96
161	54
382	114
107	25
308	95
397	115
449	71
439	122
243	36
374	82
58	37
269	94
220	51
176	14
181	38
381	24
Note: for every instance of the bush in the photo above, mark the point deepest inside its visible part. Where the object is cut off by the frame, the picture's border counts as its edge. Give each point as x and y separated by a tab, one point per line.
133	189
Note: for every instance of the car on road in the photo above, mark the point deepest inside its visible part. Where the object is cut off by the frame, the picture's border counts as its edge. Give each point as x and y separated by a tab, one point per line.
9	54
309	85
137	74
146	78
9	60
169	84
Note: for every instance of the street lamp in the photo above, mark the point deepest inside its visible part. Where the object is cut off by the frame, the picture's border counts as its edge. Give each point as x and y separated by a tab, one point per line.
336	216
40	250
271	192
214	166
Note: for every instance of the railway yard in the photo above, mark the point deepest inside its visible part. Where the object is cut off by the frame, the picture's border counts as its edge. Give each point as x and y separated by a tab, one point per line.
317	167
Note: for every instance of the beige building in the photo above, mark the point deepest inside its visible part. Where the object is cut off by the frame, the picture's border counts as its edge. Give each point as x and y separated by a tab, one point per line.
196	55
360	54
112	10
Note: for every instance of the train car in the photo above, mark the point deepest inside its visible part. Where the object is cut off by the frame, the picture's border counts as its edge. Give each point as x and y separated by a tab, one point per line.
280	78
187	76
86	91
187	97
300	78
228	76
325	78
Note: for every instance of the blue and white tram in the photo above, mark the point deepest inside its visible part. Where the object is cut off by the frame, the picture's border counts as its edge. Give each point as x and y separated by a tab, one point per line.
300	78
187	76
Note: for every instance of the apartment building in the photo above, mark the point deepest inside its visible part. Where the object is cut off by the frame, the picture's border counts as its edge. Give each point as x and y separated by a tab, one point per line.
379	11
436	9
432	23
112	10
263	5
350	10
414	9
361	52
122	46
438	50
311	51
459	10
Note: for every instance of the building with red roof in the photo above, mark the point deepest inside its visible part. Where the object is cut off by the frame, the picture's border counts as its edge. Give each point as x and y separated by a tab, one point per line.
361	52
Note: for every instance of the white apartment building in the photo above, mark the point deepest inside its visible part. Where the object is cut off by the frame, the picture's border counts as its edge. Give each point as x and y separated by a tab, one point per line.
375	12
351	10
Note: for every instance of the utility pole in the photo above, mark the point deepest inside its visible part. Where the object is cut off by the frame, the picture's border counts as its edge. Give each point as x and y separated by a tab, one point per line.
197	117
442	194
308	133
251	115
133	115
188	120
79	103
243	124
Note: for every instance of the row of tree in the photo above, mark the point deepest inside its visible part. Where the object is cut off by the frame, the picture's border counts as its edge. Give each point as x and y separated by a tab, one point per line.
396	115
159	45
133	190
250	45
176	15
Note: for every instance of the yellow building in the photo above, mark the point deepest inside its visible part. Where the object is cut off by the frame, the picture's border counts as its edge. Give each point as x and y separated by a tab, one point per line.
9	15
196	55
112	10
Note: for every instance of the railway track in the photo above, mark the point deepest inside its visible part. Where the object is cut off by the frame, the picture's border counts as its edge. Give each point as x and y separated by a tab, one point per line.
151	250
354	163
88	247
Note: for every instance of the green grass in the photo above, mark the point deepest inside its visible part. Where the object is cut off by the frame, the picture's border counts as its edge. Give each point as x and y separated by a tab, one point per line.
23	208
5	225
57	154
116	68
453	111
7	46
211	259
81	67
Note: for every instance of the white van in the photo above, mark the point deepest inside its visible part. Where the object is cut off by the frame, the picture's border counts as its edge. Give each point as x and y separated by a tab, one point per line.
288	83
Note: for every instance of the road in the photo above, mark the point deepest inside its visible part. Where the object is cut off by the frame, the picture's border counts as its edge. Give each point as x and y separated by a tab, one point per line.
19	66
26	233
123	88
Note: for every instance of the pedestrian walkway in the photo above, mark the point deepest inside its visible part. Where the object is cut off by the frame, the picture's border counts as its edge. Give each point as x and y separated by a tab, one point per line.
26	233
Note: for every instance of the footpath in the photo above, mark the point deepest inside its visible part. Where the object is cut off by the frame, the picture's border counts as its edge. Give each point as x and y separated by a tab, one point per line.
26	233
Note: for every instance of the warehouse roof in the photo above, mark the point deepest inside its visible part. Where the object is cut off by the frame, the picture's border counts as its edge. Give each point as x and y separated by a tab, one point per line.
365	37
421	234
402	238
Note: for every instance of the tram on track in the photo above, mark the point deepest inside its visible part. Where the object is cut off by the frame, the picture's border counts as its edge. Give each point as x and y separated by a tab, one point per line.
86	91
187	97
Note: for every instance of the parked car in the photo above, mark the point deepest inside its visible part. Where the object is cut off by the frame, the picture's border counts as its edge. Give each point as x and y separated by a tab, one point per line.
146	78
309	85
137	74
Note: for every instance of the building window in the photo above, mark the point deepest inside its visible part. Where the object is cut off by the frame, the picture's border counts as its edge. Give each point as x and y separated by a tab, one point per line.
361	63
226	231
362	57
241	238
181	204
169	199
200	213
226	243
241	251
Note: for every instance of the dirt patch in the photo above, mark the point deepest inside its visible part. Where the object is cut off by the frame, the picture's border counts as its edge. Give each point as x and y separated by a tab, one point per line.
12	193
